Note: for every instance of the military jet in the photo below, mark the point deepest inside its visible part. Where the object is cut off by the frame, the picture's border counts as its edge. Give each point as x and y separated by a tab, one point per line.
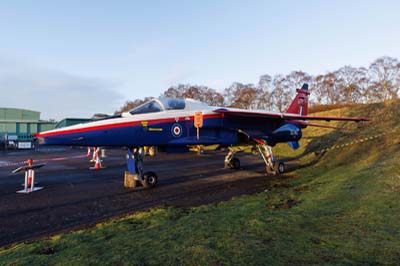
174	124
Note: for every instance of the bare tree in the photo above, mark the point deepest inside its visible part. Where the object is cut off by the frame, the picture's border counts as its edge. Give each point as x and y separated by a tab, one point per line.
326	89
242	95
201	93
296	79
317	89
264	96
175	91
384	73
284	88
280	95
351	83
381	81
398	80
265	82
213	98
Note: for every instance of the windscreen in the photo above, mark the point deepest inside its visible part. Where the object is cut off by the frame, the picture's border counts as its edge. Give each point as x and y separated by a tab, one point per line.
149	107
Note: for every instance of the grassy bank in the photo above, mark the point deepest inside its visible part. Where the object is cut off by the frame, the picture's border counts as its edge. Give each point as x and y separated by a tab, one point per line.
341	209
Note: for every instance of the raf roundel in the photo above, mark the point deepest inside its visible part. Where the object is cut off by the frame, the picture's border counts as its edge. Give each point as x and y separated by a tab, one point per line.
176	130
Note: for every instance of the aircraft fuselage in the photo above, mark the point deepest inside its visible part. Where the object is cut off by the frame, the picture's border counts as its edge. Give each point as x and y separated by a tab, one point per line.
165	128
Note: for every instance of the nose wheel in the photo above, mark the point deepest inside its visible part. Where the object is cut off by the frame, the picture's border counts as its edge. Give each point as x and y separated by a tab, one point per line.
134	161
149	179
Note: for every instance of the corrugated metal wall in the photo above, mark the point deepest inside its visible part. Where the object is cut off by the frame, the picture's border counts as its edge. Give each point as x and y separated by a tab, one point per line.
22	122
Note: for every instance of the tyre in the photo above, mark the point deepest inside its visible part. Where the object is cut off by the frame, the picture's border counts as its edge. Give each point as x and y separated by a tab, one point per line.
234	163
280	168
149	180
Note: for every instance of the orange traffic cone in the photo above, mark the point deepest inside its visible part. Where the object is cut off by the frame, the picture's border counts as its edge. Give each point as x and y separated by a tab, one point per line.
97	165
88	152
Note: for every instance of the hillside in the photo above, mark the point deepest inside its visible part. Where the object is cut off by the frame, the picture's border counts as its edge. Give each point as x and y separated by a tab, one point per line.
340	206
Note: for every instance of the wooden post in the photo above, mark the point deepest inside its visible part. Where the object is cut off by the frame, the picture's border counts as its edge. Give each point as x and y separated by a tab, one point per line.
129	180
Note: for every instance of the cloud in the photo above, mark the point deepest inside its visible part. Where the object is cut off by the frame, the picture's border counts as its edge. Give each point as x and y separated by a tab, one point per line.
55	94
177	75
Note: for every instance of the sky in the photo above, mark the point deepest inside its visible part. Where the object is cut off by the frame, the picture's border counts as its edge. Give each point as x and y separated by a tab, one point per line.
76	58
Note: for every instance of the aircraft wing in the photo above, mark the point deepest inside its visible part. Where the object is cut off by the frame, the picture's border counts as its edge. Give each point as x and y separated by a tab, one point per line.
283	116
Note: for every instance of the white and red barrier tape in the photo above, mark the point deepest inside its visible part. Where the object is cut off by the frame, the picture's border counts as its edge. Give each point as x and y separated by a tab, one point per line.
8	164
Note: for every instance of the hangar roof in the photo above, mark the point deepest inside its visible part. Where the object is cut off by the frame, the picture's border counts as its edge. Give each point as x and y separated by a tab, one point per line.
14	114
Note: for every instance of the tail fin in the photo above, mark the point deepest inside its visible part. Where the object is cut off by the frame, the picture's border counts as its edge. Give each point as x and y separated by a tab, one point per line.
300	103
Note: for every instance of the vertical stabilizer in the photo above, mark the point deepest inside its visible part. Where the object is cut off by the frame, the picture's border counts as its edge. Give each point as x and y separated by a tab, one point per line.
300	103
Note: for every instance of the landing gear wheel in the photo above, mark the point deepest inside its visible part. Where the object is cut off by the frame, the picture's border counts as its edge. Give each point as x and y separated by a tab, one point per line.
149	180
234	163
280	167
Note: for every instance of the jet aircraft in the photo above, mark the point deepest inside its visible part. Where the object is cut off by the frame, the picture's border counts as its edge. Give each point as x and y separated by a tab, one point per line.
174	124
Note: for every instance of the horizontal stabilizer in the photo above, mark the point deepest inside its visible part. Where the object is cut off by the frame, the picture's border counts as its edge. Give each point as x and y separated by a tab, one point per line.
306	123
282	116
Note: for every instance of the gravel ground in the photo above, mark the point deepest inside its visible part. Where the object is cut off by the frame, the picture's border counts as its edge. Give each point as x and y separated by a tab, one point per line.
75	197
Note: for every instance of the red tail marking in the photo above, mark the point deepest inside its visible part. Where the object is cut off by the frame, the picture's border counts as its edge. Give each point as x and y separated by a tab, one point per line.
300	103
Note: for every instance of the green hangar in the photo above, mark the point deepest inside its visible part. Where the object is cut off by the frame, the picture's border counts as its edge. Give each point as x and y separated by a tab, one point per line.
17	127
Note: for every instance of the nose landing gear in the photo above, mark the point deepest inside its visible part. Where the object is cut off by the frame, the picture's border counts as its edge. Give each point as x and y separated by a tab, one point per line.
134	161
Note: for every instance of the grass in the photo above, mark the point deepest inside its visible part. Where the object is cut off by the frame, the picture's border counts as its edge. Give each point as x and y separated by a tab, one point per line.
343	210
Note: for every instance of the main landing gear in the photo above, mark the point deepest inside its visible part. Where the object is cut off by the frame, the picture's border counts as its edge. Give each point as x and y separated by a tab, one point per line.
272	166
134	161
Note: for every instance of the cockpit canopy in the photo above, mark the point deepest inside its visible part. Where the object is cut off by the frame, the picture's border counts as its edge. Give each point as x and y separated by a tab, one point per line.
166	104
158	105
173	104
